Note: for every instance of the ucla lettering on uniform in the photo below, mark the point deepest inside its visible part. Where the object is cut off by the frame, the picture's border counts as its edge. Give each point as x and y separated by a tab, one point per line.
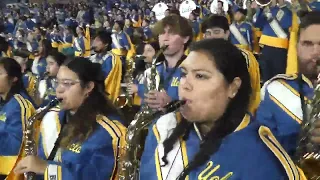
208	173
76	148
175	82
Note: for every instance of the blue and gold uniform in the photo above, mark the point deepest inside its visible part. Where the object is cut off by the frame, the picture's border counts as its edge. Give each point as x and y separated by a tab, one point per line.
254	71
47	90
120	43
79	46
13	116
39	66
163	81
147	33
67	45
95	158
29	82
277	24
242	35
256	144
280	108
112	70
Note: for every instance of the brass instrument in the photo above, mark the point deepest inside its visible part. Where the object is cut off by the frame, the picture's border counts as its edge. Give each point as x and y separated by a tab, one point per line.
308	154
30	144
130	161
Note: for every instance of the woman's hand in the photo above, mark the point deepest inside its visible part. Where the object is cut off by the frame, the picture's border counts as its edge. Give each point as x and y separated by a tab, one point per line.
31	164
157	100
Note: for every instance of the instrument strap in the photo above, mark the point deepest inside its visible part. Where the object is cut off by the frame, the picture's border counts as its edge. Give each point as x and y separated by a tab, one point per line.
57	143
164	82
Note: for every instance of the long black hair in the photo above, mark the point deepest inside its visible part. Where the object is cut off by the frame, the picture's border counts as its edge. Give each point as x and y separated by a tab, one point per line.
13	70
231	63
83	123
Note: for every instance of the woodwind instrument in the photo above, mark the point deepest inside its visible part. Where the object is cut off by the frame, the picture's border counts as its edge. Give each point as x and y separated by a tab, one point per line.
29	134
129	162
126	99
308	153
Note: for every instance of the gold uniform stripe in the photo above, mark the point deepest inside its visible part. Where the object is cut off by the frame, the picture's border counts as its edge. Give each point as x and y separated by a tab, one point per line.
116	131
290	168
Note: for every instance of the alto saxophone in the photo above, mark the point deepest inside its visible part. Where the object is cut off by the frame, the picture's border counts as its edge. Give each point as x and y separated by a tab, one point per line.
30	143
308	153
126	99
130	161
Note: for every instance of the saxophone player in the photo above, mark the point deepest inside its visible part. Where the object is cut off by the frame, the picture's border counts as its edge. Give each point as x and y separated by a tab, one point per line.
282	107
175	32
111	64
15	108
82	139
210	137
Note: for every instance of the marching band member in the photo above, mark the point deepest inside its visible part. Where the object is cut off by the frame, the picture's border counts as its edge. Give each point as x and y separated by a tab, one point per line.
209	139
29	80
81	140
80	42
141	64
67	41
121	44
147	33
47	89
285	97
275	22
15	109
241	31
175	32
111	64
218	27
39	63
196	27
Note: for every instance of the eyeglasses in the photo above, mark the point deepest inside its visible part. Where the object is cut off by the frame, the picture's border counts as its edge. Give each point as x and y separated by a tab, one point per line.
65	83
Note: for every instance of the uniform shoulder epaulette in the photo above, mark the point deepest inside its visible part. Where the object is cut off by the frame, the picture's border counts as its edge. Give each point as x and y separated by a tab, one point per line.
249	23
283	76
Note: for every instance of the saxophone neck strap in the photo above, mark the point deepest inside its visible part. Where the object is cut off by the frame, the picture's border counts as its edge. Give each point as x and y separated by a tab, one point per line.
57	143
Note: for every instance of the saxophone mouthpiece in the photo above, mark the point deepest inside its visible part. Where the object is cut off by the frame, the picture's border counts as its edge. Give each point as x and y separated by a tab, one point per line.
174	105
164	47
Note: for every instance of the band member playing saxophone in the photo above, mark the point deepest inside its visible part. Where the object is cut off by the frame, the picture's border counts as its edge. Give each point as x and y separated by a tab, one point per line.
81	140
209	139
217	27
175	32
110	63
285	97
15	109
